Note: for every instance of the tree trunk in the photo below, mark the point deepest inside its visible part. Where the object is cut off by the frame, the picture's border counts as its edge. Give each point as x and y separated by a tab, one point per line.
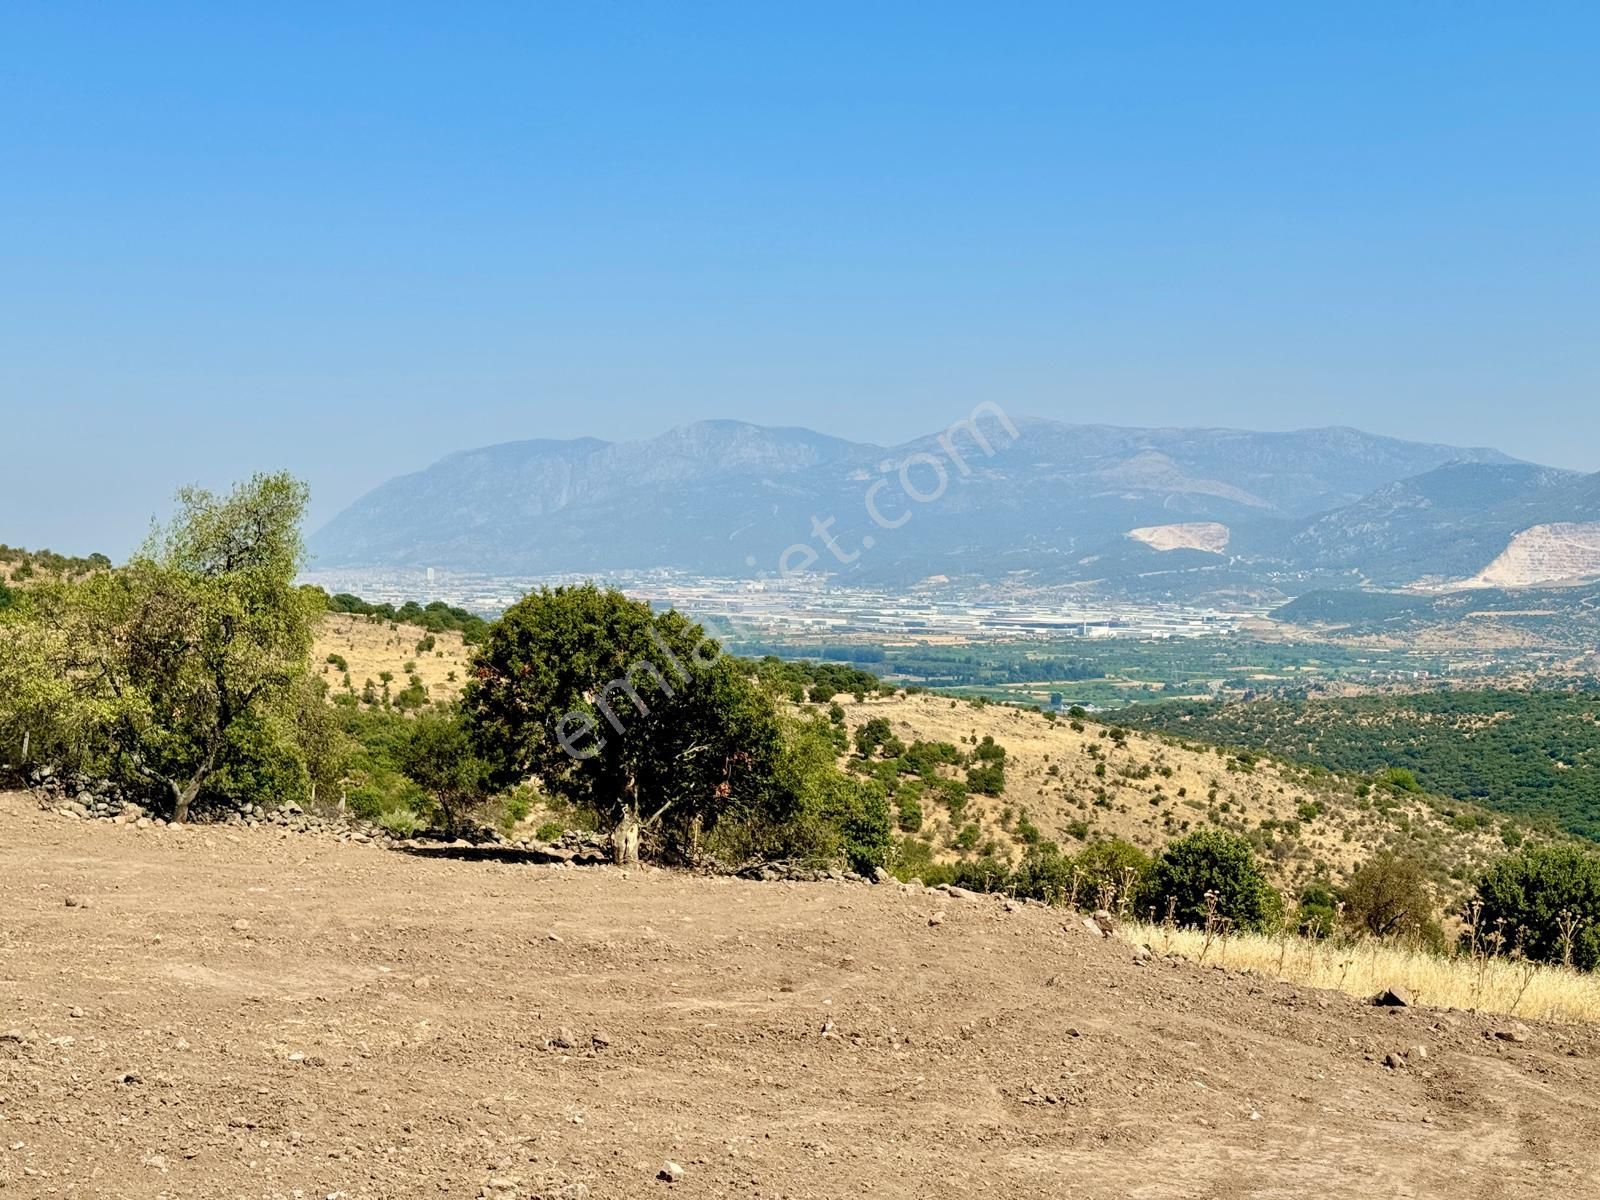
183	797
625	838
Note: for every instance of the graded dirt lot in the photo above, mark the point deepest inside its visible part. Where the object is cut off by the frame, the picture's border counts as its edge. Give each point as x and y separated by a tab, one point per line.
255	1013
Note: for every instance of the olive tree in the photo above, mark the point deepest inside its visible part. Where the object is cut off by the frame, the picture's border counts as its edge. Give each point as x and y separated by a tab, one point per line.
1388	896
191	654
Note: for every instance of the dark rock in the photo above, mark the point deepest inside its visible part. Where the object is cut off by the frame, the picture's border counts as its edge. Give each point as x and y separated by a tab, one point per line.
1393	997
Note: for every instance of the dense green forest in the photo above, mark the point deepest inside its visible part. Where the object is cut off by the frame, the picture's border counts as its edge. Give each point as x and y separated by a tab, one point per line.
1532	753
1112	672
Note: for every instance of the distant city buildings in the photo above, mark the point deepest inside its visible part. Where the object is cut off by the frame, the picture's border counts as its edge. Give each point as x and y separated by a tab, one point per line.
814	608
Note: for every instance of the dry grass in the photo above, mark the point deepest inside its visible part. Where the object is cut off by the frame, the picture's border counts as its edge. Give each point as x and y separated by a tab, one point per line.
373	647
1154	789
1366	968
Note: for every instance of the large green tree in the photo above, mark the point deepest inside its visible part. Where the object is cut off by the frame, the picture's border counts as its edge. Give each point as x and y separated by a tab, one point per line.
187	664
631	714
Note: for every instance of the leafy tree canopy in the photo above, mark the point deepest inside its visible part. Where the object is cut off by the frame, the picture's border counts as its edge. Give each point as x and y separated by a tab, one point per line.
439	757
631	714
1388	896
182	668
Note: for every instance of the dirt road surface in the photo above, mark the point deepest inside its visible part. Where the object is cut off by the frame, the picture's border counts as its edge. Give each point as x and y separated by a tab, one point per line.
254	1013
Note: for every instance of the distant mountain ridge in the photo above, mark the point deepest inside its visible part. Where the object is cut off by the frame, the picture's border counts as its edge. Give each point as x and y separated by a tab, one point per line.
995	495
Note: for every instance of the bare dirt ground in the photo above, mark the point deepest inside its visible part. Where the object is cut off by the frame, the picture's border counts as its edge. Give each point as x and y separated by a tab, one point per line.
253	1013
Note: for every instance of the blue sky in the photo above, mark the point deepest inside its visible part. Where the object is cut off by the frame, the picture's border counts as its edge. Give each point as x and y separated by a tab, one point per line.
348	238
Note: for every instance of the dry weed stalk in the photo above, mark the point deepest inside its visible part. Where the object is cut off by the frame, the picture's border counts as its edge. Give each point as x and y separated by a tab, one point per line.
1210	927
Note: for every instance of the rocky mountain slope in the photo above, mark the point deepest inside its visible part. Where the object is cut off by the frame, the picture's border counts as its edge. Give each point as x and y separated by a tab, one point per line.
1445	525
1567	550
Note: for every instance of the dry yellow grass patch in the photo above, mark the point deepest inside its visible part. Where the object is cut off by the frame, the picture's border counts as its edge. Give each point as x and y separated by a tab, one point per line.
1366	968
373	647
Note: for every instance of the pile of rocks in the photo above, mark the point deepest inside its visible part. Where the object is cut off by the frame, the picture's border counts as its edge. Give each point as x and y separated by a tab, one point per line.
795	872
578	840
88	799
574	848
80	795
292	817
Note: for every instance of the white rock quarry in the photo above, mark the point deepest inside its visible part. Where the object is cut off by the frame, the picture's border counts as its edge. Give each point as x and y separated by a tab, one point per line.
1210	536
1545	554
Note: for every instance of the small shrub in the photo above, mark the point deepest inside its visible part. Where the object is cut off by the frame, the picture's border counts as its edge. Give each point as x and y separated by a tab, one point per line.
910	813
401	822
987	779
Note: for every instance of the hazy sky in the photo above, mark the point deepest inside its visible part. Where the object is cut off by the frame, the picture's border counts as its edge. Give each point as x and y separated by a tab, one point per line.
348	238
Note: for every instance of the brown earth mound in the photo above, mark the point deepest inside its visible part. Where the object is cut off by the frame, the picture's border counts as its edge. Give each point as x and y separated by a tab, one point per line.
256	1013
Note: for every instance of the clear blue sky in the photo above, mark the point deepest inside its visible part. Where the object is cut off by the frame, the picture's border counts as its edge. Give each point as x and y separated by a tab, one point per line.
348	238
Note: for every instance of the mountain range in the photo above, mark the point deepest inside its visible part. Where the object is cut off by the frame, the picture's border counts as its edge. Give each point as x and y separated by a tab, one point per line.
1162	510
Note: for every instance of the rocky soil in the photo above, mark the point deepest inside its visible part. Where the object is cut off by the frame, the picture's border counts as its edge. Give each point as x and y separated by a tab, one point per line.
238	1011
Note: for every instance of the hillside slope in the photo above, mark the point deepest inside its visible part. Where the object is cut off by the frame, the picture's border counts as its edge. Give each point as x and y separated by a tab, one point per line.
1533	754
350	651
1307	823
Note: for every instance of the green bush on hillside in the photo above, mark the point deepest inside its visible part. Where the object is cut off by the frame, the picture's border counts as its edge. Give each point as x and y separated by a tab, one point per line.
1210	868
1532	898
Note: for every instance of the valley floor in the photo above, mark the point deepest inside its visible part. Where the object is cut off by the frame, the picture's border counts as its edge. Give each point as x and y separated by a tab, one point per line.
252	1013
